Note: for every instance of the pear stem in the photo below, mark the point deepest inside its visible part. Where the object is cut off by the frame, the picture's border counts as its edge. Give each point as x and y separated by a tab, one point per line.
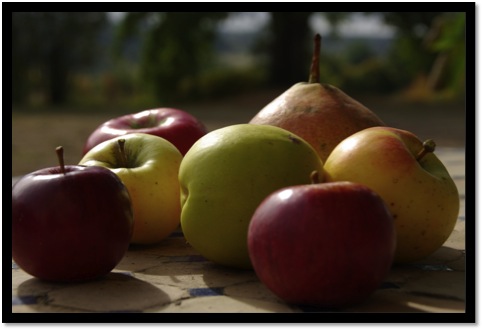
314	177
122	150
60	156
314	76
428	147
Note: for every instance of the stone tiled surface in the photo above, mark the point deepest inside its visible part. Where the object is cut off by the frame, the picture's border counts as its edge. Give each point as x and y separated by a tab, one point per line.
172	277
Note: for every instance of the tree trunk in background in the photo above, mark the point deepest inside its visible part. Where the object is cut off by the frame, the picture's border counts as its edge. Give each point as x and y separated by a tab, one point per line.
289	48
54	45
57	73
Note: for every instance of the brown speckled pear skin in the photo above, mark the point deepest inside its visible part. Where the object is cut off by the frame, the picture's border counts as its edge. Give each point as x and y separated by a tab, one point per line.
320	113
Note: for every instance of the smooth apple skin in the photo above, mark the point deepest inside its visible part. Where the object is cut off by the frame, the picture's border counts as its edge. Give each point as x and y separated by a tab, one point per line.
71	227
177	126
329	245
225	176
422	196
151	178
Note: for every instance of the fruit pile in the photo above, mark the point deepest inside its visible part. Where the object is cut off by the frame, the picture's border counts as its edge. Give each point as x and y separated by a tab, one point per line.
315	194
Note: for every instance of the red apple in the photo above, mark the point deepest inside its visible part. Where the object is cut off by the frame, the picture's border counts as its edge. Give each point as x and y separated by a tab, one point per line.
328	244
177	126
70	223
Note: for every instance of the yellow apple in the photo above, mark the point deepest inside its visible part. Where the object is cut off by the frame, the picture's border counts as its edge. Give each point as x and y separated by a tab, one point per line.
410	178
225	176
148	166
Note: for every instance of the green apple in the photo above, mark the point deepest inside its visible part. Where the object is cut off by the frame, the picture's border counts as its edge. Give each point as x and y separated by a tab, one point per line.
148	166
410	178
225	176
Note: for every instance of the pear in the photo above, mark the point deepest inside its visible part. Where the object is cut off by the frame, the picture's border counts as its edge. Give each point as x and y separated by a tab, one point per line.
320	113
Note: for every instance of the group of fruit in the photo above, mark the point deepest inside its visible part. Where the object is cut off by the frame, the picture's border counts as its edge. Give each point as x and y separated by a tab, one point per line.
315	194
76	222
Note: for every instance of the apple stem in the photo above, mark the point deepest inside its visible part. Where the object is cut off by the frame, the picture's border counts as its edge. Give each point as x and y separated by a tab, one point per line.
60	156
428	147
314	177
314	76
122	150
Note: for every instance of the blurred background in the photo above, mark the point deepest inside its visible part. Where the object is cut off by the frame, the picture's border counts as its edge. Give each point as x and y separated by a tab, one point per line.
71	71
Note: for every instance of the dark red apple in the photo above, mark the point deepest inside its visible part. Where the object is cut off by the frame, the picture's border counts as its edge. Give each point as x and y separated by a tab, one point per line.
70	223
328	245
177	126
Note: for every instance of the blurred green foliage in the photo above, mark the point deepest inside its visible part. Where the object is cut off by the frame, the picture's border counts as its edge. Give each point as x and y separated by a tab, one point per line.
165	57
427	58
449	43
176	49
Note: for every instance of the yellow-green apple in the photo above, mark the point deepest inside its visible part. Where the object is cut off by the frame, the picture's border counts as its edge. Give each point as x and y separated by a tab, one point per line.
148	165
177	126
70	223
225	176
405	172
320	113
324	244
